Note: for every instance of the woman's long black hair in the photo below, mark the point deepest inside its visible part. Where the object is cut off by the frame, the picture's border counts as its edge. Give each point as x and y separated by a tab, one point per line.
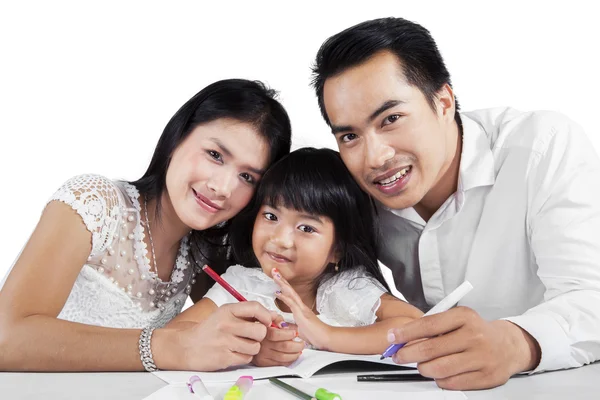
243	100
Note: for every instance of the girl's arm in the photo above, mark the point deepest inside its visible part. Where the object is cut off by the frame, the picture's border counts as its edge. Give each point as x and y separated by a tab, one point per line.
33	339
371	339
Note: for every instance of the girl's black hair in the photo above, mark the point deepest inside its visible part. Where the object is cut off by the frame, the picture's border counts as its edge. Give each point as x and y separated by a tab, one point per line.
243	100
315	181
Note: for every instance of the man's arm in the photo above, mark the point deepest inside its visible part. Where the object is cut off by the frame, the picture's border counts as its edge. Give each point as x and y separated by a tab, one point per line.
466	352
564	231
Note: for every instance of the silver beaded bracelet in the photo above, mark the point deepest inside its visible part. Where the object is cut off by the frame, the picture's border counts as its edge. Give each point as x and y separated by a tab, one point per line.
146	350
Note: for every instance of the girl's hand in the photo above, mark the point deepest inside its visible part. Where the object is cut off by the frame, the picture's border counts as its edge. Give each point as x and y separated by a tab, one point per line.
279	347
310	327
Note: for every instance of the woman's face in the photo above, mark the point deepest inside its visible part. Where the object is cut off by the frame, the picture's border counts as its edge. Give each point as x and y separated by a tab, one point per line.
213	173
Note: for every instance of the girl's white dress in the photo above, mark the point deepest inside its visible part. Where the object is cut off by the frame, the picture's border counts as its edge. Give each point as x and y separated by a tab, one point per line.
115	288
348	299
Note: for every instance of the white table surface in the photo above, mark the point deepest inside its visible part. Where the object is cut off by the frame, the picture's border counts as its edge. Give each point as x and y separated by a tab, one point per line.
581	383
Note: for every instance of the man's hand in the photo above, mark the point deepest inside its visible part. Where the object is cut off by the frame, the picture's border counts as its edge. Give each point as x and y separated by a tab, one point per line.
280	347
462	351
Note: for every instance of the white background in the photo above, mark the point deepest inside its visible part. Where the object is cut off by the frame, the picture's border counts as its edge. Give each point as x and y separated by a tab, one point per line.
87	87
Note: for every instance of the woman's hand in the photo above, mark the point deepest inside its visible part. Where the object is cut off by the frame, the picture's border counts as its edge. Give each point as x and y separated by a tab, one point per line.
310	327
228	337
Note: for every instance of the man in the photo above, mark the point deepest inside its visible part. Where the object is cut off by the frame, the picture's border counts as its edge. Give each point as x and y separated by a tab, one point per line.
507	200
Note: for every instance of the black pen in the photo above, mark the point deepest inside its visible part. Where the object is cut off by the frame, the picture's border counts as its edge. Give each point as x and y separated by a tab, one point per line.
392	378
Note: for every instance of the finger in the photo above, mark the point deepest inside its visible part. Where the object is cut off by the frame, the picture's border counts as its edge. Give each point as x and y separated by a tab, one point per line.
284	358
289	346
243	346
250	309
295	308
429	349
286	288
433	325
249	330
472	381
279	335
277	319
451	365
239	359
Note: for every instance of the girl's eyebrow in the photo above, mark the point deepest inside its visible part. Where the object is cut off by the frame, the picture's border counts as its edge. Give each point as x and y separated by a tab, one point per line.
312	217
306	216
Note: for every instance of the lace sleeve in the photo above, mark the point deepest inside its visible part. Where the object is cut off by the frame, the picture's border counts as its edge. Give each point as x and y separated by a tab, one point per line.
350	299
96	199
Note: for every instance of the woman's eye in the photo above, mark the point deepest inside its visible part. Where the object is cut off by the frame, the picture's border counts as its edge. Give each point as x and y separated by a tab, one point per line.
390	119
270	216
247	177
348	137
307	228
215	155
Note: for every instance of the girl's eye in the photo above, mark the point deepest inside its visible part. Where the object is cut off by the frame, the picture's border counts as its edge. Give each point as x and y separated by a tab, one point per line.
270	216
390	119
307	228
215	155
247	177
348	137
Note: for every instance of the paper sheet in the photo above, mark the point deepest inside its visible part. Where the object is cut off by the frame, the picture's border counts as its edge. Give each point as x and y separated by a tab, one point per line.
310	362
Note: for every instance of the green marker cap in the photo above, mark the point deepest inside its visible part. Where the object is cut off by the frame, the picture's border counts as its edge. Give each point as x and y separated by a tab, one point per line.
324	394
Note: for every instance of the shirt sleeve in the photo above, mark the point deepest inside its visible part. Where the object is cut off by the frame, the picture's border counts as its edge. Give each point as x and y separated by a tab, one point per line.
235	277
350	299
564	230
96	200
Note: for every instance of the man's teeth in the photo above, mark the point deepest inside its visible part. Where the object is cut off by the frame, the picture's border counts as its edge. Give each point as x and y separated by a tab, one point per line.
395	177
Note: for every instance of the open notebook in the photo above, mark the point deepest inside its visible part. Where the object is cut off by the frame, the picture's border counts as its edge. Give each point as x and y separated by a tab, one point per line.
309	363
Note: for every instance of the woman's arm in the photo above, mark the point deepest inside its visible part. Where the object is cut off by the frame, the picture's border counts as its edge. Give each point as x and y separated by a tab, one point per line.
194	314
33	339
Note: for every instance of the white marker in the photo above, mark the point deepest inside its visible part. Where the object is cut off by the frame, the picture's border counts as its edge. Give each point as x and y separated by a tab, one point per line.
444	305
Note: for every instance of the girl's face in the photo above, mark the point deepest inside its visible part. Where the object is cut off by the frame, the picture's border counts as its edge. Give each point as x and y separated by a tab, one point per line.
298	244
214	171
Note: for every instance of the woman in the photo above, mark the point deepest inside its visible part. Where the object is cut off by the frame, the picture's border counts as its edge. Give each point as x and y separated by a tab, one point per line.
140	244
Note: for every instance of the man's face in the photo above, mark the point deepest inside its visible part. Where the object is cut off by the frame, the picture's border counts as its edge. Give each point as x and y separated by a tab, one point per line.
392	141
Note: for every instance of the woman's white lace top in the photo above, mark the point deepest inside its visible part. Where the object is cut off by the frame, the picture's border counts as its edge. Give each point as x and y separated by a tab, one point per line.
348	299
116	287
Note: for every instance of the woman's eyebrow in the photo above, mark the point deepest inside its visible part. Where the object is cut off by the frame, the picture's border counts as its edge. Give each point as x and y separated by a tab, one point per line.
228	153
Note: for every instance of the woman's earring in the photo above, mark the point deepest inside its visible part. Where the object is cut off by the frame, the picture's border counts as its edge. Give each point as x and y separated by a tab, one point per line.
336	268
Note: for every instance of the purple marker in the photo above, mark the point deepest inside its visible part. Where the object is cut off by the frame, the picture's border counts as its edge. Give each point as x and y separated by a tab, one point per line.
447	303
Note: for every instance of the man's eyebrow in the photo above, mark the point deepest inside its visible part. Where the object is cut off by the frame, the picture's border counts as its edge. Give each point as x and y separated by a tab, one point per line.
335	129
227	152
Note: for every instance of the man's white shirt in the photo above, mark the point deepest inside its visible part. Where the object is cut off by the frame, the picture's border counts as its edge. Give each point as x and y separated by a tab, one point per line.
523	227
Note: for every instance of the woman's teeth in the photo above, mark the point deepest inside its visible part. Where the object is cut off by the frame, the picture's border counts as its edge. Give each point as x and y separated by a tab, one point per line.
395	177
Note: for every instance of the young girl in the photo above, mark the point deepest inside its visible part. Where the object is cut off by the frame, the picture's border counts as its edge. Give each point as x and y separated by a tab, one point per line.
110	261
308	246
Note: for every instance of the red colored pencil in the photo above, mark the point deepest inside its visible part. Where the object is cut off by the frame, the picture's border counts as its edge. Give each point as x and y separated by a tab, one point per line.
227	286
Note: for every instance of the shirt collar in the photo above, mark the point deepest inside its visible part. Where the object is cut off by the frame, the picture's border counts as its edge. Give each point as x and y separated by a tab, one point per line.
476	165
477	160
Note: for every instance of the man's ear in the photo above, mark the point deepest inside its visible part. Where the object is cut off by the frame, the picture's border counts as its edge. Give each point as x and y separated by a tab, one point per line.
445	103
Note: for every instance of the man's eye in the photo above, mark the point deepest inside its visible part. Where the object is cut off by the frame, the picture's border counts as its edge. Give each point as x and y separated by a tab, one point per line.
390	119
348	137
